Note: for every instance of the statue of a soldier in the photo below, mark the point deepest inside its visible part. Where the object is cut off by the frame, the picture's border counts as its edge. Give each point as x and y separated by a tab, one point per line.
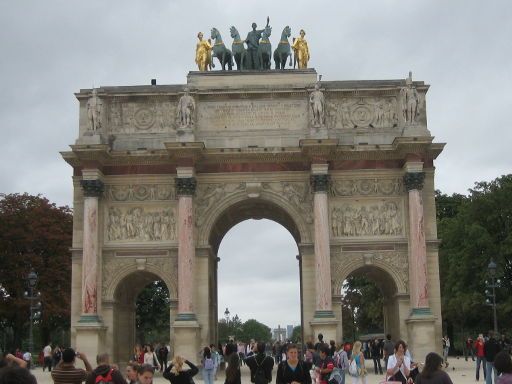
410	101
253	42
186	107
94	109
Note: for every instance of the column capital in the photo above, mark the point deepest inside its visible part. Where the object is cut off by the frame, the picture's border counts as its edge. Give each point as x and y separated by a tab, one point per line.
414	180
320	183
185	186
92	188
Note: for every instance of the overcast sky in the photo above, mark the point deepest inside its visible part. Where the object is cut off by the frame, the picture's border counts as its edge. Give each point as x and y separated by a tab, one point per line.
51	49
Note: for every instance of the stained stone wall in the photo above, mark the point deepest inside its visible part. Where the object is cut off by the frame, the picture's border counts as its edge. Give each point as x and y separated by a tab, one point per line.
252	148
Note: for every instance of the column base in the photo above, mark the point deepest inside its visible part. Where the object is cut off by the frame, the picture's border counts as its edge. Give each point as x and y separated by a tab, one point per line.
421	333
325	323
318	133
186	338
90	336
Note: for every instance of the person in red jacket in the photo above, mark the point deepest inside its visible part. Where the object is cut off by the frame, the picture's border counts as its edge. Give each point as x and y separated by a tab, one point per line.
480	355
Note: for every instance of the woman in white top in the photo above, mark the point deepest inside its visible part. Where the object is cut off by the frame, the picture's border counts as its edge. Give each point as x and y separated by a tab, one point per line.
358	358
399	365
150	357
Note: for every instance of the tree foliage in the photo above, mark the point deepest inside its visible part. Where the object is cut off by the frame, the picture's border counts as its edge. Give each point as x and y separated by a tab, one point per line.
473	230
34	234
362	307
297	334
243	331
152	320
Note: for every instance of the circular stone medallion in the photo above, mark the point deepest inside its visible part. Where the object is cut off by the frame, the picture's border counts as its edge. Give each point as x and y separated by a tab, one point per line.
362	116
144	118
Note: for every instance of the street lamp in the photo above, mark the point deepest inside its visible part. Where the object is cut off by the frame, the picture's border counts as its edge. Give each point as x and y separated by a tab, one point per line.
492	294
31	295
226	315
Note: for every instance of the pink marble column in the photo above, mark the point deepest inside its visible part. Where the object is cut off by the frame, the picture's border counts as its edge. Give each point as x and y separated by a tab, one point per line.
185	188
418	277
92	191
322	247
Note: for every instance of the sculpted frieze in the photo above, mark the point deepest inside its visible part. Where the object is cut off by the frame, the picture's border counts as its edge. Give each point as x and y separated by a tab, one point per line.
140	224
207	195
297	193
152	116
382	218
140	192
362	112
367	187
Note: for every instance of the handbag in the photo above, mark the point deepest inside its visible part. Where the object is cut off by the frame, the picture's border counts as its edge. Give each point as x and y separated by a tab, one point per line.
352	368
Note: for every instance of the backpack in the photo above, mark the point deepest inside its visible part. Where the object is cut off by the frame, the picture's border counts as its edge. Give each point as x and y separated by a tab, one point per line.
339	360
352	368
208	363
105	379
259	375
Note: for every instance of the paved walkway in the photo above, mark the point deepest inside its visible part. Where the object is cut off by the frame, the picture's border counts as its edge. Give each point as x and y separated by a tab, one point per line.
460	371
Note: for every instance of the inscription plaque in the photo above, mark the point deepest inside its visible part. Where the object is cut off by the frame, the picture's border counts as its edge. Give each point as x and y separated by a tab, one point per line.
254	115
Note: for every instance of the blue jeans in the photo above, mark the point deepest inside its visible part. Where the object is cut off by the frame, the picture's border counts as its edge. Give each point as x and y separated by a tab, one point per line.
489	370
480	360
208	376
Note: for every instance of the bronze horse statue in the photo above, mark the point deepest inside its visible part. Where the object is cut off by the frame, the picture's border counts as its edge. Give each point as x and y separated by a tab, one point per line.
238	49
265	49
220	51
283	49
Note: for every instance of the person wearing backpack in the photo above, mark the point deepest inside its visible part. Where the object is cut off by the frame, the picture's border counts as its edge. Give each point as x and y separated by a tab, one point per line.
292	370
208	366
260	365
341	363
104	372
356	368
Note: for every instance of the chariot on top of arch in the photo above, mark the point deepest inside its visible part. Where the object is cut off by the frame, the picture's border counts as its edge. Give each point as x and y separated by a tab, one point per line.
254	52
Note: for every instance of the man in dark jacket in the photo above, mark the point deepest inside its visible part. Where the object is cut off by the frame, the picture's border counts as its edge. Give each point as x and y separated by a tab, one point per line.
260	363
491	348
104	369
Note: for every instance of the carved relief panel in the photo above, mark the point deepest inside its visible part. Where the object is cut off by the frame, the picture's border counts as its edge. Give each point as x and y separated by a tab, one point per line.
207	195
367	187
367	218
362	112
298	194
140	192
137	223
153	115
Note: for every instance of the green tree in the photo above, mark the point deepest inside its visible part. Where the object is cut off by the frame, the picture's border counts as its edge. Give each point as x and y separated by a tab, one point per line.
152	313
473	229
253	329
34	234
362	307
231	328
297	334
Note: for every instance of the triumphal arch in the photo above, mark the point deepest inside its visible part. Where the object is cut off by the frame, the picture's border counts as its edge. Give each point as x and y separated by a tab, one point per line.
162	172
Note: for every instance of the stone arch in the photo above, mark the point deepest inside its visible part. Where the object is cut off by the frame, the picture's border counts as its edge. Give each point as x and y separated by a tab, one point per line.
239	207
369	262
118	272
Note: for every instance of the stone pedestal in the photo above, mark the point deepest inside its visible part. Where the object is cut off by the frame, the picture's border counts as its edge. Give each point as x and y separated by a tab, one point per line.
421	334
327	326
90	337
186	339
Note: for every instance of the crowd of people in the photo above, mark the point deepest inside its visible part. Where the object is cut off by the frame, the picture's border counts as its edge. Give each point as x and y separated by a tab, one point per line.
318	363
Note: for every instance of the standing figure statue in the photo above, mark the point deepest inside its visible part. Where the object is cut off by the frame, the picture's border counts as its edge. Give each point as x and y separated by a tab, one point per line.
203	53
301	50
253	42
410	101
186	107
94	109
317	102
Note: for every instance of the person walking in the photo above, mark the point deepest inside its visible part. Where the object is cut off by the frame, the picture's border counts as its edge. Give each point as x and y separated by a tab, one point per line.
388	349
233	375
208	366
446	350
491	348
260	365
357	360
375	353
47	355
480	356
292	370
432	372
468	350
176	372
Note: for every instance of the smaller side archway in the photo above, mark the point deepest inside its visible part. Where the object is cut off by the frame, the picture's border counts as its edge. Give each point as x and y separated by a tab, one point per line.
391	283
125	294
